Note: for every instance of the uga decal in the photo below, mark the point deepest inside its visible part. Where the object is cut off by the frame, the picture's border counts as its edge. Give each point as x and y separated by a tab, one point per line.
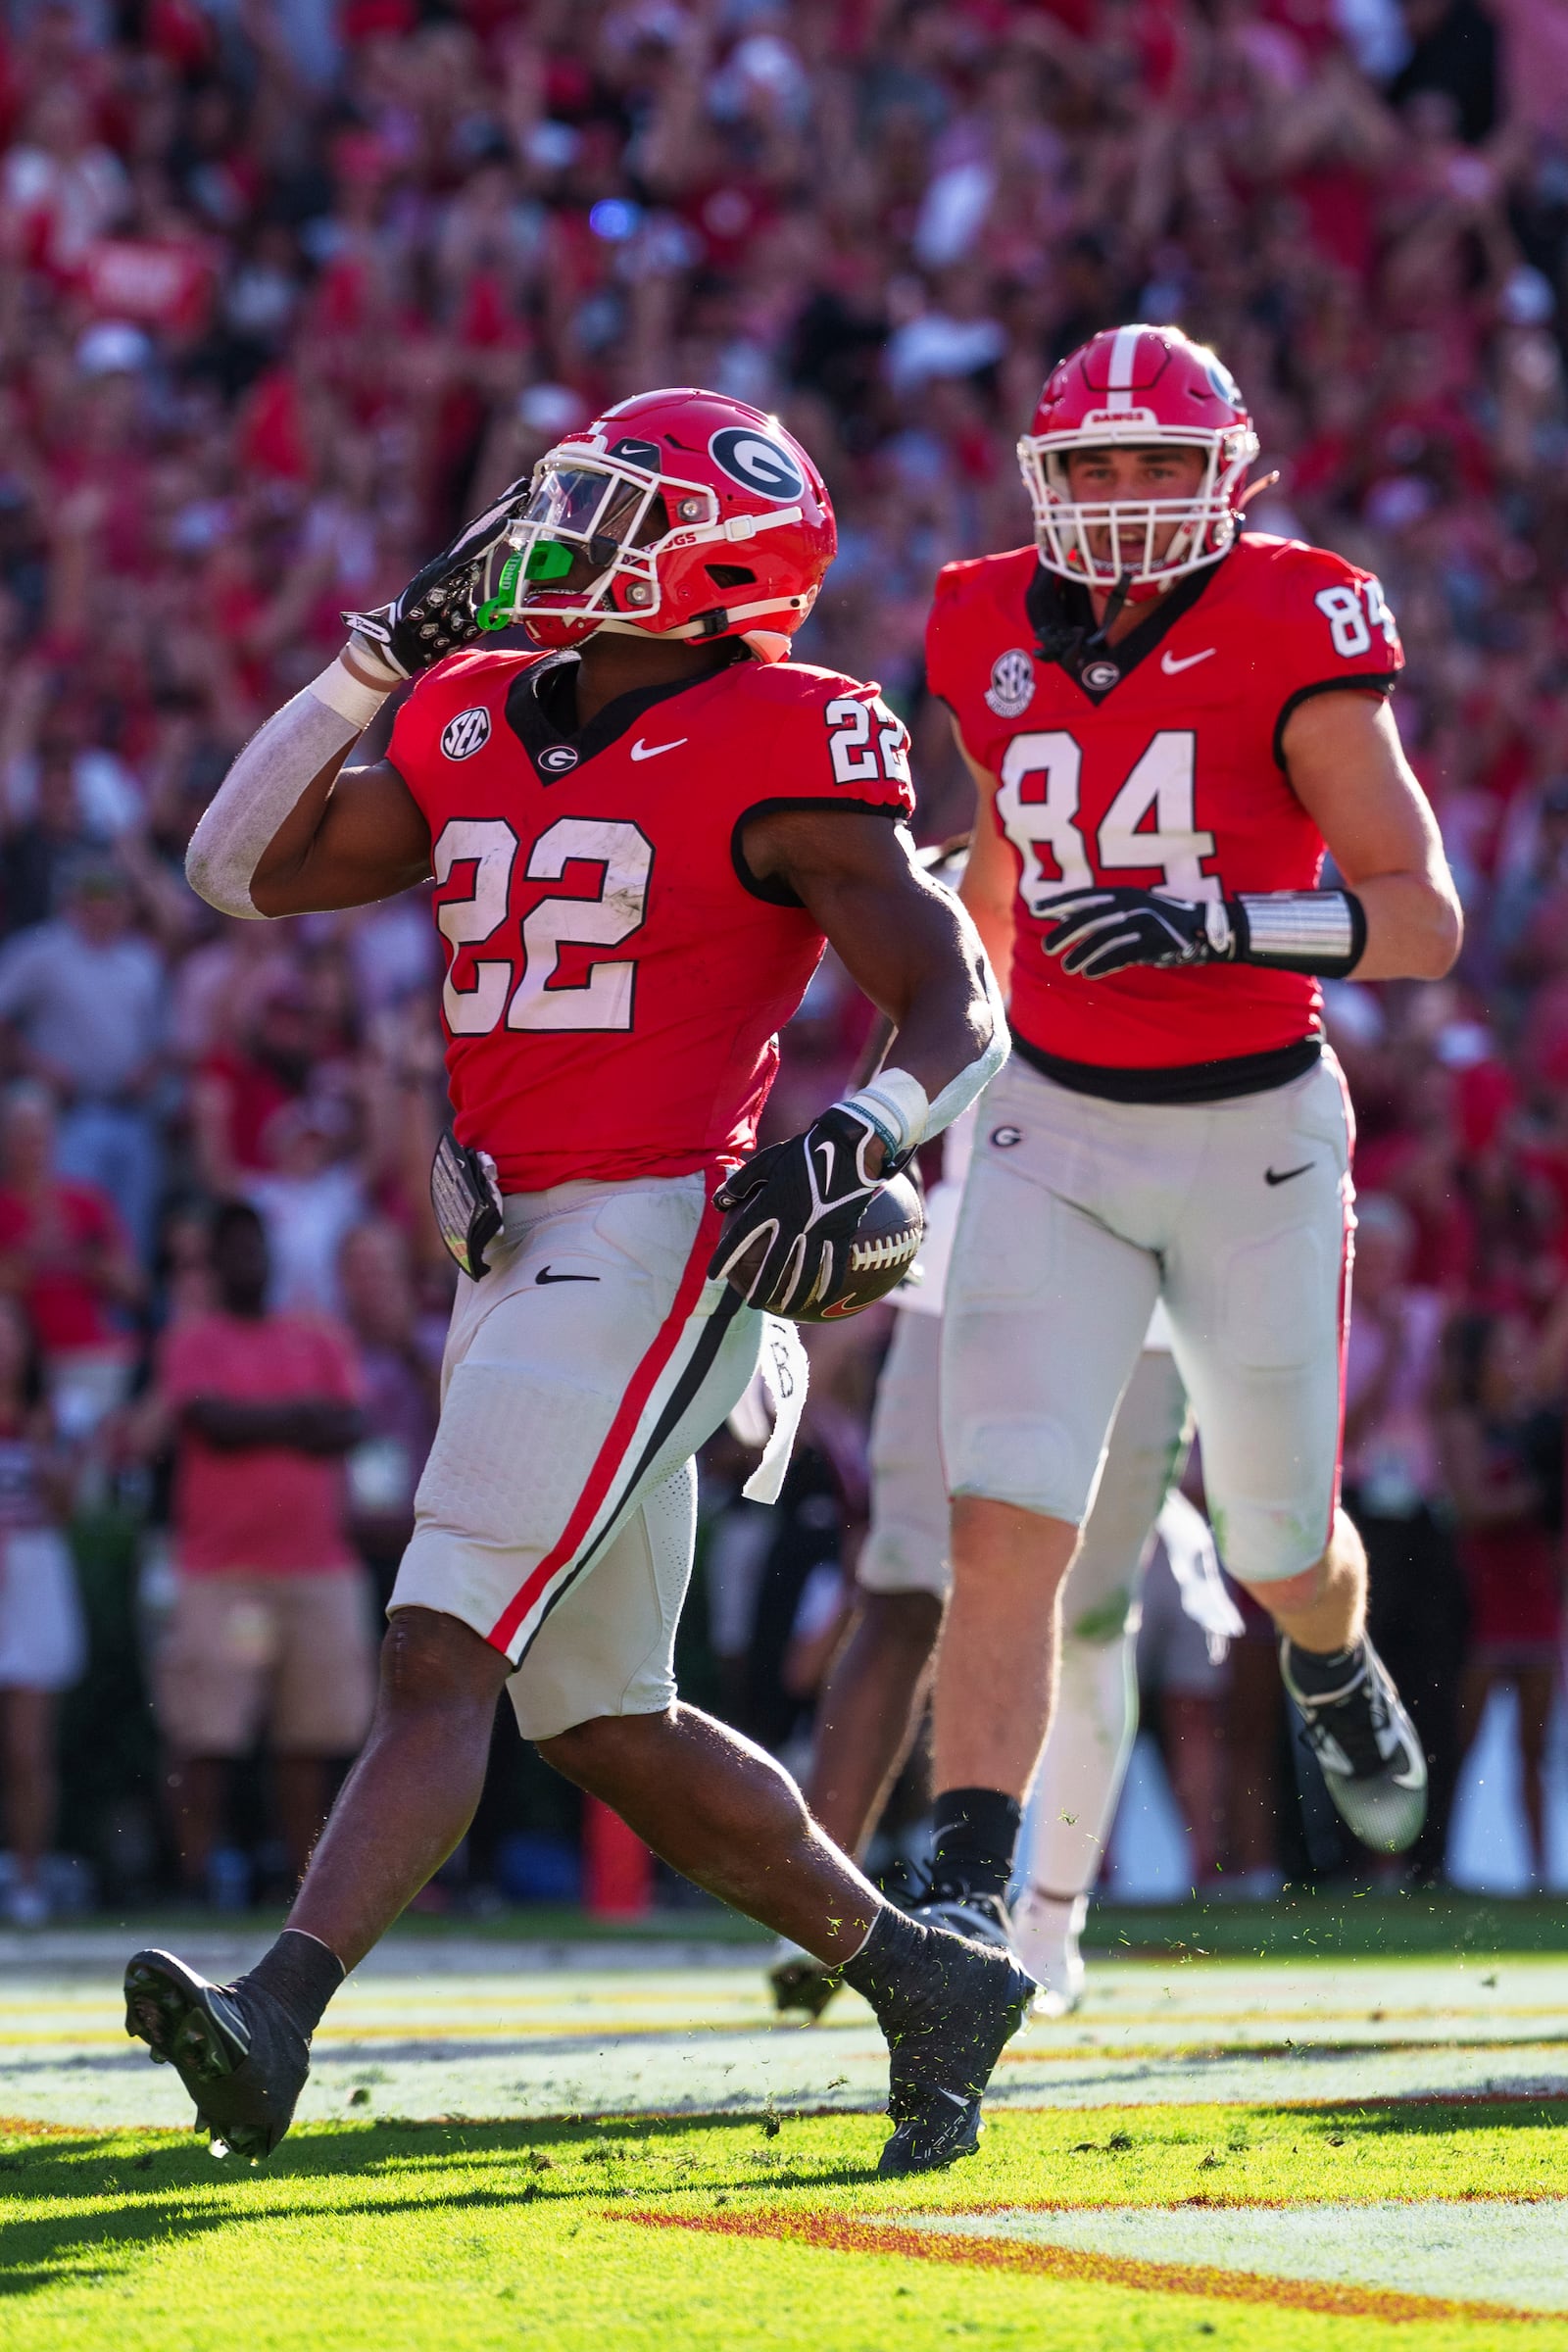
757	464
557	758
1012	684
466	734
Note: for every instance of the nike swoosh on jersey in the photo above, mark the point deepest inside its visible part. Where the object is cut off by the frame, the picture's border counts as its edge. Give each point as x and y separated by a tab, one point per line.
651	750
543	1275
1173	667
1284	1175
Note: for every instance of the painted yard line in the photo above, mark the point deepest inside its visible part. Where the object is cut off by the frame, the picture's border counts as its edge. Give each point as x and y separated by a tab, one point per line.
837	2233
356	2019
1215	2200
1202	2052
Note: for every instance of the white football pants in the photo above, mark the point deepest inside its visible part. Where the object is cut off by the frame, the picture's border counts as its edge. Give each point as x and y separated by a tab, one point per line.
1083	1762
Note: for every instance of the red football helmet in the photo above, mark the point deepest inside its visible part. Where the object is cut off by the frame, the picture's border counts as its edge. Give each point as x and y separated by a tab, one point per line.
678	514
1137	385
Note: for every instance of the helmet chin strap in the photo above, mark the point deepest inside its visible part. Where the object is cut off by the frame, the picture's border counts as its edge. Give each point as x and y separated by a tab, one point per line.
1115	604
718	623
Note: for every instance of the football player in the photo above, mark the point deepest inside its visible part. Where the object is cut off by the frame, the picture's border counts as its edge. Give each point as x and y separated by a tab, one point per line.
640	837
869	1708
1169	722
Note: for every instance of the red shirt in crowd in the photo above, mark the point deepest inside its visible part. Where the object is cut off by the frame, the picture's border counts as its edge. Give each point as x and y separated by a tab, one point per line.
61	1291
269	1510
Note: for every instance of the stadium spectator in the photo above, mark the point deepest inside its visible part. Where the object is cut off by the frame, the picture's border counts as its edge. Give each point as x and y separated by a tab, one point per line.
66	1258
400	1361
41	1632
270	1626
1393	1491
84	998
1503	1454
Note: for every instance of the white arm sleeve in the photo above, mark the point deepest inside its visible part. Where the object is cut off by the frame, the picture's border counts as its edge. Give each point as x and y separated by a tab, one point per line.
958	1093
266	781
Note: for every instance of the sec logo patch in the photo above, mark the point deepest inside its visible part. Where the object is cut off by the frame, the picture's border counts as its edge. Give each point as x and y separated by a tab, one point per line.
466	734
1012	684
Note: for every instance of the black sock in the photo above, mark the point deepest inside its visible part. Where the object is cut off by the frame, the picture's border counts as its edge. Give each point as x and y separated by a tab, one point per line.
302	1972
893	1951
976	1831
1319	1673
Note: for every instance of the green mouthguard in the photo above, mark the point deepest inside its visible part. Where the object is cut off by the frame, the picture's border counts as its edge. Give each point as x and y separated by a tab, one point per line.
547	559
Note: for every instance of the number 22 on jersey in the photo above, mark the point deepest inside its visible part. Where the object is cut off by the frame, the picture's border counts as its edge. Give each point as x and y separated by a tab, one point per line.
519	991
1151	822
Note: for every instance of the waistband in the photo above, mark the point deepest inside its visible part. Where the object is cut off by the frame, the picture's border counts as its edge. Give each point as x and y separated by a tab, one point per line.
522	1209
1183	1082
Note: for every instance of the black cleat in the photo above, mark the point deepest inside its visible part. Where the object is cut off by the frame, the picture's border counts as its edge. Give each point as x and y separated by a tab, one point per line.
798	1983
946	2036
982	1918
234	2046
1370	1750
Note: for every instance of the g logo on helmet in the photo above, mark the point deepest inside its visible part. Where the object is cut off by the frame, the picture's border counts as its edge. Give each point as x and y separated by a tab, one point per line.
761	465
1012	684
466	734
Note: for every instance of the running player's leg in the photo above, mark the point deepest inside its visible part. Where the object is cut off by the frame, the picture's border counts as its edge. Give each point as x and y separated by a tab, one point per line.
595	1694
1045	1315
1084	1761
581	1374
869	1710
1257	1284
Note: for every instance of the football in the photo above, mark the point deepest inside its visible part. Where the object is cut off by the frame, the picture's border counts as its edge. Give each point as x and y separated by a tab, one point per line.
886	1242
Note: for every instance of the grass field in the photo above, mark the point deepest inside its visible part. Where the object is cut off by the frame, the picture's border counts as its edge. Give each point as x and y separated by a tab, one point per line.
1337	2143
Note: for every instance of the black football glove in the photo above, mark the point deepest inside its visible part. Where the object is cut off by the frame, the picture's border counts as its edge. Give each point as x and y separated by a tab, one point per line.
1103	931
802	1201
439	610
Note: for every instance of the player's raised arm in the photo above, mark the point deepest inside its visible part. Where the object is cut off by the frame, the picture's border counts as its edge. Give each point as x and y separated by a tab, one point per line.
292	828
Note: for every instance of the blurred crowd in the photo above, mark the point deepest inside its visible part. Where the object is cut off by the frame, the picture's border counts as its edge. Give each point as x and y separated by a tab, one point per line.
285	289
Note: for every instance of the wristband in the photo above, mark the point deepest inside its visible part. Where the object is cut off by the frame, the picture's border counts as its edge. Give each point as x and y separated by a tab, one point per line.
896	1106
341	691
1317	931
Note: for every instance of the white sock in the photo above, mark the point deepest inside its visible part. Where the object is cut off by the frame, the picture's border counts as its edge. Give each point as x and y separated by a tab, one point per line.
1082	1768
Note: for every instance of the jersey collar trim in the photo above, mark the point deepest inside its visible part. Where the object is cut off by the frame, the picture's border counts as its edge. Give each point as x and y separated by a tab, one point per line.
553	750
1063	622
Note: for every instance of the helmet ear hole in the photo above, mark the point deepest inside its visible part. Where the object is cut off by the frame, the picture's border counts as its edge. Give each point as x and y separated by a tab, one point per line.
730	575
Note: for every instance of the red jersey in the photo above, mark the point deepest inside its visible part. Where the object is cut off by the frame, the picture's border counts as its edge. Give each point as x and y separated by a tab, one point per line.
1154	765
616	975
